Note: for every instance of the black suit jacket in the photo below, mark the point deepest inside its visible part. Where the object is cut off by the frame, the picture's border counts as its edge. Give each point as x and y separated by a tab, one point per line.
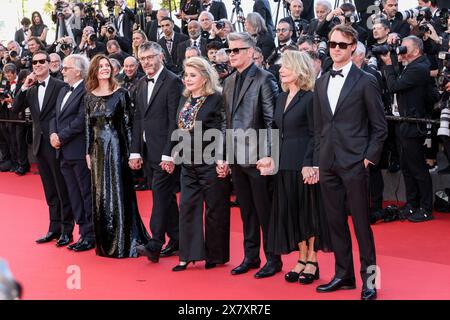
304	25
263	8
411	89
69	124
218	10
151	30
156	118
186	44
296	130
357	129
308	10
171	59
265	42
254	106
19	36
127	22
41	118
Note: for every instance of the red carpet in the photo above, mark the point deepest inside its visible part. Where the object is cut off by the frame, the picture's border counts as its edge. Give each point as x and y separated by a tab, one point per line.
414	260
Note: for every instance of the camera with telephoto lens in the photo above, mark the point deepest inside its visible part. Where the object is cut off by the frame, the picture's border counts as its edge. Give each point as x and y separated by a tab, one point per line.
93	37
13	54
442	17
420	13
66	46
110	29
219	25
395	48
26	61
349	18
5	88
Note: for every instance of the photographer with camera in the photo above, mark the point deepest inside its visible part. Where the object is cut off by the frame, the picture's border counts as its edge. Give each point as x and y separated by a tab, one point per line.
90	45
109	32
410	87
21	36
13	54
65	20
396	23
63	47
124	21
299	25
345	14
322	8
206	20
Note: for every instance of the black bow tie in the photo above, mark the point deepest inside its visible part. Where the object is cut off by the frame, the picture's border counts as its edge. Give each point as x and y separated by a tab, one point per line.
297	20
335	73
40	84
152	80
71	89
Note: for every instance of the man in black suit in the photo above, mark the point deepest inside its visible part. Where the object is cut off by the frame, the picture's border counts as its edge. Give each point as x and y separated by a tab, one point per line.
23	33
67	137
396	24
125	20
216	8
169	42
249	97
195	40
154	30
411	89
299	25
39	93
156	101
350	128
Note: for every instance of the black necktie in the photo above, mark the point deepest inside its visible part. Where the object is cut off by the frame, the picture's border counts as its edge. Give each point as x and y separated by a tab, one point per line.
40	84
335	73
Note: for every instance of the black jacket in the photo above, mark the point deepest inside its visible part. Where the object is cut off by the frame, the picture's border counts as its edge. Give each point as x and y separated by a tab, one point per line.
218	10
171	59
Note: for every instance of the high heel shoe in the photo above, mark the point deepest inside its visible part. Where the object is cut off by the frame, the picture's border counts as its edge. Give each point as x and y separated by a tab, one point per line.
182	267
293	276
308	278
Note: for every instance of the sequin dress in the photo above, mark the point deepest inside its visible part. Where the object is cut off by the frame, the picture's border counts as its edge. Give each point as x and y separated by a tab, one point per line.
117	224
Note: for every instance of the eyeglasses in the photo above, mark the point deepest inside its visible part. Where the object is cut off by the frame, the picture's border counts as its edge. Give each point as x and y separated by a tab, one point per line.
150	57
341	45
235	50
42	61
67	68
282	30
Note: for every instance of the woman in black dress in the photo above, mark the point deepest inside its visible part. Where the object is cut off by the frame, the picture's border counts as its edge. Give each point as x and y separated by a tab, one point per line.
38	28
297	220
117	224
201	109
189	10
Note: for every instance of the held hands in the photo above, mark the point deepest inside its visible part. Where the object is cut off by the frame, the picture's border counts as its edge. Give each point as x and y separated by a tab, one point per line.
222	168
167	166
310	175
135	164
54	141
266	166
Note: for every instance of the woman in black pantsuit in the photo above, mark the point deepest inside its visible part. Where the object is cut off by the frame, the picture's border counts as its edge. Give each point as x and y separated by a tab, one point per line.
297	219
201	108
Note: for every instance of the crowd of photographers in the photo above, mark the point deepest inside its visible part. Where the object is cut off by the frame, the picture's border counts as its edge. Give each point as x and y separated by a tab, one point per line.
407	51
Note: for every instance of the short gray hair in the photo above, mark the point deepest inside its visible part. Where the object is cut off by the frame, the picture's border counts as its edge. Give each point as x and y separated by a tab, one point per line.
244	37
257	22
324	3
10	68
149	45
81	63
194	48
360	49
417	42
16	44
206	13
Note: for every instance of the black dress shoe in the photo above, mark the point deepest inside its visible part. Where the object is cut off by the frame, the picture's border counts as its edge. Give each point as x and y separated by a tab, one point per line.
151	255
49	237
245	266
64	240
269	269
20	171
84	245
210	265
170	249
337	284
369	294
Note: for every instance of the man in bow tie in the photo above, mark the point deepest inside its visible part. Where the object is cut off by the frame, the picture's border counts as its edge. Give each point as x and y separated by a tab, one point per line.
39	92
299	25
350	129
67	137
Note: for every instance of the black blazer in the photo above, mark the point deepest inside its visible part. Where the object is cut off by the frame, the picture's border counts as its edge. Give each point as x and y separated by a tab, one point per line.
255	104
156	118
127	22
171	59
265	42
411	88
357	129
41	119
212	116
19	37
218	10
69	124
186	44
151	30
304	25
263	8
308	10
296	130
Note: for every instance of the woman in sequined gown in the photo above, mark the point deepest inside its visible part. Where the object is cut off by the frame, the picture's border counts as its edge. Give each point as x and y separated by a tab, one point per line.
117	223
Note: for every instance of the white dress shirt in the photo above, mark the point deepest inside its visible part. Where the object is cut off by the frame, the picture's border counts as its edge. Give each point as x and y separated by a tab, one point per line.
335	86
66	97
41	93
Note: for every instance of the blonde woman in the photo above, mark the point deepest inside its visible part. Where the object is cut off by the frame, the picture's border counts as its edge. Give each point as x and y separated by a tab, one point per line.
296	221
200	184
139	37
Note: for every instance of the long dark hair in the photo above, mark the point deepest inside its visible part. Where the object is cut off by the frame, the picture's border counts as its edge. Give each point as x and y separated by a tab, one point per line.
92	80
36	14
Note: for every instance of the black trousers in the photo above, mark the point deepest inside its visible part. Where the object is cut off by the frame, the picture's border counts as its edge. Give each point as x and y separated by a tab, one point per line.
255	201
337	185
22	146
376	188
165	215
78	180
5	153
200	187
418	185
56	195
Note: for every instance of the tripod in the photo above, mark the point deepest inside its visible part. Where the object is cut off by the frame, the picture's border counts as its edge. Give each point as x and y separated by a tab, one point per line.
286	10
237	16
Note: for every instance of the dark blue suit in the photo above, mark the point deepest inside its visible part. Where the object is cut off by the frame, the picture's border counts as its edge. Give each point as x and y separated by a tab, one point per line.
69	124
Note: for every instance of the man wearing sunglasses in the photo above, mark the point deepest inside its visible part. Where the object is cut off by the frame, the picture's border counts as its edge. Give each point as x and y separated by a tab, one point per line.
350	129
249	98
39	92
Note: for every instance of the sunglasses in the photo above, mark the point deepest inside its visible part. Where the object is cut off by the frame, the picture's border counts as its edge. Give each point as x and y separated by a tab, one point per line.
341	45
235	50
42	61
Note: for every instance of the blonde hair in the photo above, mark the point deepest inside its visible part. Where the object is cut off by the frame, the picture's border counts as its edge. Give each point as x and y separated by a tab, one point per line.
207	72
302	66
